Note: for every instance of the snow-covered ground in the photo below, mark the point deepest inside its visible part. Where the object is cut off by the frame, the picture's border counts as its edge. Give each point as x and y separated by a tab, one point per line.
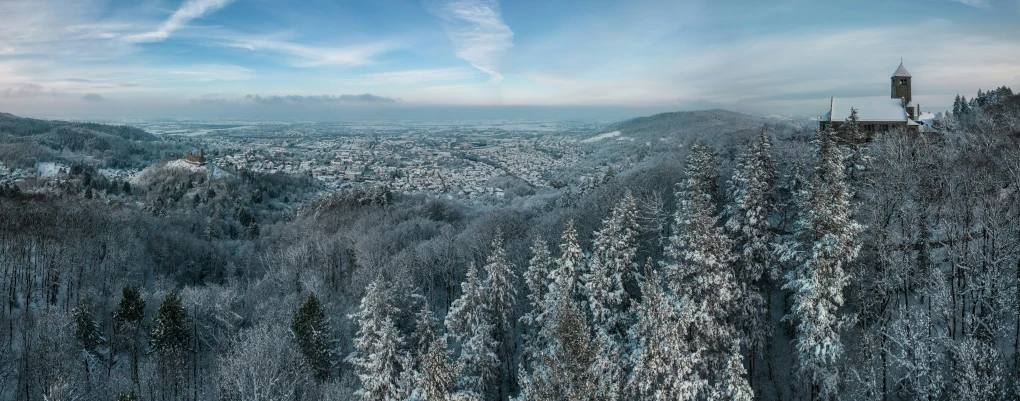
600	137
49	169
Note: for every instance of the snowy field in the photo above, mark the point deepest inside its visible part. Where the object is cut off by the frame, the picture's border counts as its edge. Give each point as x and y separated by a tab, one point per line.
600	137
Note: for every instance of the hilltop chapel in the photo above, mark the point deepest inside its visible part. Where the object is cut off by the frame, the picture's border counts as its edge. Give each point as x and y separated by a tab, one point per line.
881	115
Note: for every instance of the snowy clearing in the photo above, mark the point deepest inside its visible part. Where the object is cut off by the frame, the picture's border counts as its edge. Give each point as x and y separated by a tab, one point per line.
600	137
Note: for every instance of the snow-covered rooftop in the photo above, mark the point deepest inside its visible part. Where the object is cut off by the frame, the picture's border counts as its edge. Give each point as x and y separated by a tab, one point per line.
901	72
868	109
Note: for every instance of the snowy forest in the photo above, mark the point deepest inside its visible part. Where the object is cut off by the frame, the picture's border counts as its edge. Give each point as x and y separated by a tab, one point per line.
764	261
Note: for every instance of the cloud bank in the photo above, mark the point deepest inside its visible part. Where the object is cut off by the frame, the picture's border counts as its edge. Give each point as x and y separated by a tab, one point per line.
321	99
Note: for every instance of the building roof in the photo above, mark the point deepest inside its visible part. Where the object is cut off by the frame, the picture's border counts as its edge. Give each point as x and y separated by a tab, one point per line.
901	72
868	109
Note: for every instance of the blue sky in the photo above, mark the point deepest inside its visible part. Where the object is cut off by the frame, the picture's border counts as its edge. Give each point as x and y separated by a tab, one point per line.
349	58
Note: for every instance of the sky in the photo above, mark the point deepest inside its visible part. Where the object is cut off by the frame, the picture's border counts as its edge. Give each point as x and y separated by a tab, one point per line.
464	59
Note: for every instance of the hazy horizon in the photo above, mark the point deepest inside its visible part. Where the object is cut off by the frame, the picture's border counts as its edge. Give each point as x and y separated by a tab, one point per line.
470	59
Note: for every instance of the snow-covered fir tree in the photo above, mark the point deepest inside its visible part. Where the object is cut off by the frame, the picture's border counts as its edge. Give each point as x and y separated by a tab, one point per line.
565	369
500	283
469	322
568	267
747	213
699	263
435	376
169	340
612	268
733	384
536	279
379	357
563	283
664	362
826	241
312	335
500	287
701	169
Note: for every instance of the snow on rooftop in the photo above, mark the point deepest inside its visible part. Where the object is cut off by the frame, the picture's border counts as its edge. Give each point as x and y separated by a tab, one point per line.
901	72
868	109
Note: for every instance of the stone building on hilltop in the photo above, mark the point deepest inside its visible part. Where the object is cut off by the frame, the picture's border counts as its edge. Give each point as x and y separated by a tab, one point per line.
196	160
878	114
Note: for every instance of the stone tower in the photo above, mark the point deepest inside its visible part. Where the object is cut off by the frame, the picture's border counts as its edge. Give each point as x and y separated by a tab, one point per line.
900	88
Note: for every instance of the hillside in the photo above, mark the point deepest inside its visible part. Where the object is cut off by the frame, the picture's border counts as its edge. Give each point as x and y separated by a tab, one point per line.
25	141
688	123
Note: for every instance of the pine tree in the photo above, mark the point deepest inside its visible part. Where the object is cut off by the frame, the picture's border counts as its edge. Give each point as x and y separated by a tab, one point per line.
699	259
605	285
568	267
379	357
502	304
311	332
957	107
750	193
86	329
751	202
128	324
436	376
563	283
701	169
502	294
130	396
170	335
612	268
664	363
425	330
470	323
851	128
169	340
536	279
733	386
826	241
566	368
88	335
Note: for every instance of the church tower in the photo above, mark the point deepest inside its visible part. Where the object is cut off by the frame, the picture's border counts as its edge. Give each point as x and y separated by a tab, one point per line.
900	88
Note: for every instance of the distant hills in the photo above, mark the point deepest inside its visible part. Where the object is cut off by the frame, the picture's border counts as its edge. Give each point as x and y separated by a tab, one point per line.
684	123
22	127
25	141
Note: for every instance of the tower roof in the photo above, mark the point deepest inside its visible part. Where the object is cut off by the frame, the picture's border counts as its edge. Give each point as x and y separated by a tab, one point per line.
901	72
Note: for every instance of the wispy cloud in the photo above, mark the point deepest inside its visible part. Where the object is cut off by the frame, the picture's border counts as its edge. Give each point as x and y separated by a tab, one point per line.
478	33
214	72
409	77
300	55
188	11
975	3
322	99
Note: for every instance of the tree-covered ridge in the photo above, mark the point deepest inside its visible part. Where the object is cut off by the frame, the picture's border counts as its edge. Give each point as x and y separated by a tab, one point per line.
25	141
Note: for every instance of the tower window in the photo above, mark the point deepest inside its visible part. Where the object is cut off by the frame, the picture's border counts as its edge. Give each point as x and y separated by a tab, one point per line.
903	81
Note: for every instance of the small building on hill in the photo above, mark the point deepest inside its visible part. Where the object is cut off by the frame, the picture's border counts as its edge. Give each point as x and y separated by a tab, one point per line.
876	114
196	160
